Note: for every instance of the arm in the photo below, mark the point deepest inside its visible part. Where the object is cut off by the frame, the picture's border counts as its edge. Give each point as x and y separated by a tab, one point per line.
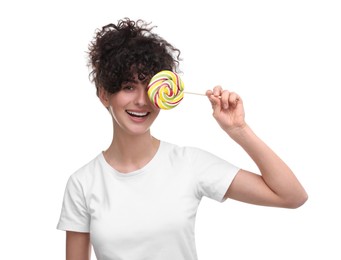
277	185
78	246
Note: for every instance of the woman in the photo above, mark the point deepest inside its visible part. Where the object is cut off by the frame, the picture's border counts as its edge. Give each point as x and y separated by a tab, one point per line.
138	199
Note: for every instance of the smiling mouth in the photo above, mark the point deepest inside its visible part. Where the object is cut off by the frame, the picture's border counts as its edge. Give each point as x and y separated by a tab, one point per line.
138	114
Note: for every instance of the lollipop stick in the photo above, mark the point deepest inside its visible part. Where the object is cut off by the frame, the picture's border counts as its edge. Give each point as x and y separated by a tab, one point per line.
196	93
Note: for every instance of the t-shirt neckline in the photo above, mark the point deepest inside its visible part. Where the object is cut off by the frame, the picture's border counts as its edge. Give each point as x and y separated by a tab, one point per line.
140	171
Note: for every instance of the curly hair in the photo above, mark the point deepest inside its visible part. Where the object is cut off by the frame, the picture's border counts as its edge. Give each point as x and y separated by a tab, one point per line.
118	52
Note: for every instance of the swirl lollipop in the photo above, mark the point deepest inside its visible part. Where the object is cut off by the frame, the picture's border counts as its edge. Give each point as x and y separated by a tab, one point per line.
165	89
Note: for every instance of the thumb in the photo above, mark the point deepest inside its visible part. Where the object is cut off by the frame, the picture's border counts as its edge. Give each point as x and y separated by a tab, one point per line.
215	101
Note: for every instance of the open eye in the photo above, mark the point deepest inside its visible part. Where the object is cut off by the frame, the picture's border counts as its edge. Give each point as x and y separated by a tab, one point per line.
128	87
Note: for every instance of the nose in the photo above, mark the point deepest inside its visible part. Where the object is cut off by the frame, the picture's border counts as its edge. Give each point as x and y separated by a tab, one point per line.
142	98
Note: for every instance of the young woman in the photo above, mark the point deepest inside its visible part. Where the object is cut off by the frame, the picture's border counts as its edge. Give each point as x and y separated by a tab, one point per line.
138	198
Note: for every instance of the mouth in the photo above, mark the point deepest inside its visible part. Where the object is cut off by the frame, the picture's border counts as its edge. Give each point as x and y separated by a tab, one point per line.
137	114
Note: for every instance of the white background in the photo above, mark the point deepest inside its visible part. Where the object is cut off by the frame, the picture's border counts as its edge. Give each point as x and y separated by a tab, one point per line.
282	57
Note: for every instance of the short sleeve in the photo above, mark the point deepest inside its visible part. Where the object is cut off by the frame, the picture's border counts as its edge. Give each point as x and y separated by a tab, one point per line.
74	215
214	175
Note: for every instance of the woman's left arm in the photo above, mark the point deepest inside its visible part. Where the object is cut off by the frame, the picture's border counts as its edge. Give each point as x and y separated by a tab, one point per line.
277	185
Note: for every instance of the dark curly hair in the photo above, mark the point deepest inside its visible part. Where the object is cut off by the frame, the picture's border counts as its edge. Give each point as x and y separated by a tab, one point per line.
117	52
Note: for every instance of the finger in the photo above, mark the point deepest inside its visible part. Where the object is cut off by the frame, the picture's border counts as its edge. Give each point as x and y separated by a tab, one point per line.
209	93
215	101
234	99
214	97
217	91
225	99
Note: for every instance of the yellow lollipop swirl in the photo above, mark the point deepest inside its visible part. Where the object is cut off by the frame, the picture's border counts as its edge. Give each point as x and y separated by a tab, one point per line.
165	89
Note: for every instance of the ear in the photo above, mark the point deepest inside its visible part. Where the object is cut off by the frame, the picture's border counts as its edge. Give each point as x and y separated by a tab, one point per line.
104	97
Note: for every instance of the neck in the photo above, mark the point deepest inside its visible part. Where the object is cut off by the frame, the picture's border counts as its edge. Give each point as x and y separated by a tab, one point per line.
131	152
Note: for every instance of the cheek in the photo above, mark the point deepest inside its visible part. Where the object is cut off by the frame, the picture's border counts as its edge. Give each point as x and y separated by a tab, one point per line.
156	111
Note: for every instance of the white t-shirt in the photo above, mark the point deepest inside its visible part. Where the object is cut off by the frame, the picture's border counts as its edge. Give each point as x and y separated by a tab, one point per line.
148	214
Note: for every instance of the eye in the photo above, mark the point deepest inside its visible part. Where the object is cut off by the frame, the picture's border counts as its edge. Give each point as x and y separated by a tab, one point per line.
128	88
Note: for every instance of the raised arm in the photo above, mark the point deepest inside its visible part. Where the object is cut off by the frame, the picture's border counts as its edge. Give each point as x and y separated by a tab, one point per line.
78	246
277	185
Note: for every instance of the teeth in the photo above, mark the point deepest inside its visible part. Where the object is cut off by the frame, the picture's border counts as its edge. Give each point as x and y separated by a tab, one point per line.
141	114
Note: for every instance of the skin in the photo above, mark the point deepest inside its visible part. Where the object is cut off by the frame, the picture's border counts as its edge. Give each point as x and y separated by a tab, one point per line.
275	186
78	246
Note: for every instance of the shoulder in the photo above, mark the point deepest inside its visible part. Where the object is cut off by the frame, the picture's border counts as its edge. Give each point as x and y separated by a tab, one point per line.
199	157
178	150
88	171
190	153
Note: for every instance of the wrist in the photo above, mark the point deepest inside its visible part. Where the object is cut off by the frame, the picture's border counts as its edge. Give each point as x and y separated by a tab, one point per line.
239	133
